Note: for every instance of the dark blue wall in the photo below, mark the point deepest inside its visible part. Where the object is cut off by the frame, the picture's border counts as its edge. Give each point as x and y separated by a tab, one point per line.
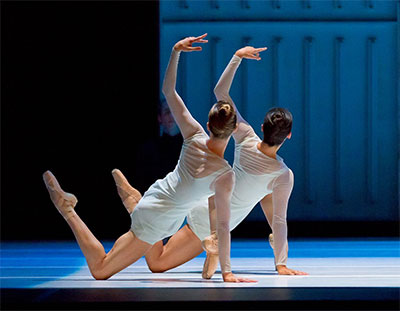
334	65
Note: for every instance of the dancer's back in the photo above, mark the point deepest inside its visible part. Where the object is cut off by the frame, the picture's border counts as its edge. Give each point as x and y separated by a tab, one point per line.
165	205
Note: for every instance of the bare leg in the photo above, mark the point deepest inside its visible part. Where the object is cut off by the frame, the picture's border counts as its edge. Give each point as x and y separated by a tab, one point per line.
181	247
126	250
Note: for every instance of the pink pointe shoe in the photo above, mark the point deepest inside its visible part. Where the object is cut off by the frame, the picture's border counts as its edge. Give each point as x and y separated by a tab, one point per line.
210	244
210	266
129	195
65	202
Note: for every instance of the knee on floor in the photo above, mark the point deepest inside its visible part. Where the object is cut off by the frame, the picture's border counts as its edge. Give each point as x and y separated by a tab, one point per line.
100	275
157	267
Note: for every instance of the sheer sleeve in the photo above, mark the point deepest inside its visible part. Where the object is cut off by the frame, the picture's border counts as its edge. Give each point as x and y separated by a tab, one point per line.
187	124
222	199
221	91
282	189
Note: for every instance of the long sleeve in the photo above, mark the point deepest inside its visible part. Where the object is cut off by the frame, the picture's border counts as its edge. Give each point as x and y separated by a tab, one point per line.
187	124
221	92
223	191
282	189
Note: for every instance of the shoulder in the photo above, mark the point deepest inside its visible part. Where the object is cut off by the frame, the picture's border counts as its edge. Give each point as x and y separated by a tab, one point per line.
226	179
198	135
286	178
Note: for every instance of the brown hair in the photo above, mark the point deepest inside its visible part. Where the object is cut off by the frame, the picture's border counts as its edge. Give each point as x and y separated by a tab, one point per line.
277	126
222	119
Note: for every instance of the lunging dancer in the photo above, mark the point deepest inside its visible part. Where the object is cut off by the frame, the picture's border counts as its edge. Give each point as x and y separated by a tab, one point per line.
201	172
261	176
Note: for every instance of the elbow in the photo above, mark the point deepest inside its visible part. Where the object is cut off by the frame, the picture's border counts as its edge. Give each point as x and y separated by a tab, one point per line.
165	91
218	92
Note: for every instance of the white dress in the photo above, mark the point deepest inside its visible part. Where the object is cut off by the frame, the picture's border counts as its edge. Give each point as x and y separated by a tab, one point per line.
257	175
163	207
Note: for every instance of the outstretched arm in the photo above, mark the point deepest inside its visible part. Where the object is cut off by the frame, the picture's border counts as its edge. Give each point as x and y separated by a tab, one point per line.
187	124
275	208
223	86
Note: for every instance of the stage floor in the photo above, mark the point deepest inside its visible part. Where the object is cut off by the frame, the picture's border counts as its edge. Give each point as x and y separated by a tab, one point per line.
366	271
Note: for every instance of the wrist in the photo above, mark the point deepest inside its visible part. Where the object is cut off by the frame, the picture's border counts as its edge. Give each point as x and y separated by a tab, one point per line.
238	54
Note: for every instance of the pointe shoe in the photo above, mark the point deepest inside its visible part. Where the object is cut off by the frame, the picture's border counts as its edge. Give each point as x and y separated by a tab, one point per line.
65	202
129	195
271	240
210	244
210	266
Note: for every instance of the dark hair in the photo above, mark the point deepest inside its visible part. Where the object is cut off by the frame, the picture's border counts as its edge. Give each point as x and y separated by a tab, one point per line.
277	126
222	119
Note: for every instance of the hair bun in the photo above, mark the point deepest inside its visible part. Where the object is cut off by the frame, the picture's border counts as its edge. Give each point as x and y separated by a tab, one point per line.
223	110
277	117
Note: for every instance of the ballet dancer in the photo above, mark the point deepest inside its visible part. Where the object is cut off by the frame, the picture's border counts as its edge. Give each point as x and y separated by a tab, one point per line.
201	172
261	176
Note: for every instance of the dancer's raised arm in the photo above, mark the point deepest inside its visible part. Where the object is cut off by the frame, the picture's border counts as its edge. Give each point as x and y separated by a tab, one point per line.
223	86
187	124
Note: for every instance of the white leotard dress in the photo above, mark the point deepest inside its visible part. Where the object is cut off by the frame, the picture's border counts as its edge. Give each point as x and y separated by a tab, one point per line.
163	207
257	175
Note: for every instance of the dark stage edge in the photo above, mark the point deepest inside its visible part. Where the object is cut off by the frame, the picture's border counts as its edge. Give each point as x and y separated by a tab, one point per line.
330	298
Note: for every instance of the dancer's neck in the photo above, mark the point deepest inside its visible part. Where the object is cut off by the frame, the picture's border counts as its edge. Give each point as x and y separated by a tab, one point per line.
217	146
268	150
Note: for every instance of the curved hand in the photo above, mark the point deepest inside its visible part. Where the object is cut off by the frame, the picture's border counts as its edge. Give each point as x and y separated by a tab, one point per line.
186	44
230	277
283	270
250	52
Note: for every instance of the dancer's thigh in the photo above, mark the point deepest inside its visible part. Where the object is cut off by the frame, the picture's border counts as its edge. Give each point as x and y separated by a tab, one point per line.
183	246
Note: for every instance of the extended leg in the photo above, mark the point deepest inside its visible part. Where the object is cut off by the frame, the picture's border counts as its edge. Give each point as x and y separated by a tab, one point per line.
181	247
126	250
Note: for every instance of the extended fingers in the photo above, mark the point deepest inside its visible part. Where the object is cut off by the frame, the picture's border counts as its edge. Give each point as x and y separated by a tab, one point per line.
244	280
301	273
193	48
200	37
260	49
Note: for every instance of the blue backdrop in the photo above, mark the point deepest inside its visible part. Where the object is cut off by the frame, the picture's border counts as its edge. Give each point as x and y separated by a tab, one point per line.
333	64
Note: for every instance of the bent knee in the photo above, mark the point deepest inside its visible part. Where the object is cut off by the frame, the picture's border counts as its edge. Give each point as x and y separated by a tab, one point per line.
100	275
157	267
